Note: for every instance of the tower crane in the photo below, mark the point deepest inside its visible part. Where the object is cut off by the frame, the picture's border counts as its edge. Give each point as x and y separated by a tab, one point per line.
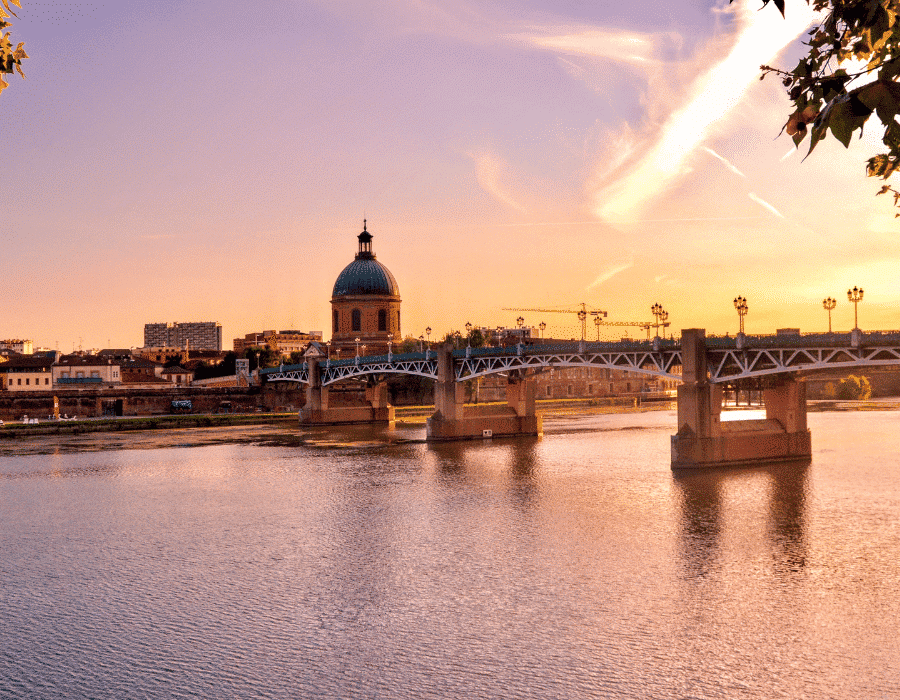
582	314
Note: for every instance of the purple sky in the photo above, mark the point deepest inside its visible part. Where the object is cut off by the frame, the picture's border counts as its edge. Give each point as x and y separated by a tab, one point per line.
174	161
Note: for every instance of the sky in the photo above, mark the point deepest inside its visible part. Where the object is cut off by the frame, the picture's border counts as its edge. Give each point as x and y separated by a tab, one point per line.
214	161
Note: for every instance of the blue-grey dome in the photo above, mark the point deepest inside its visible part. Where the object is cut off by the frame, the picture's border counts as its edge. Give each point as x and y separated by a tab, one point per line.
365	275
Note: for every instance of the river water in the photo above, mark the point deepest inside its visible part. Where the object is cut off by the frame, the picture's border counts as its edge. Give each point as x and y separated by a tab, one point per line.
357	564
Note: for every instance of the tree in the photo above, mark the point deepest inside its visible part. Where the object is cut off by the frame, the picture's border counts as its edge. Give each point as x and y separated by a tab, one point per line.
10	58
264	355
826	97
853	388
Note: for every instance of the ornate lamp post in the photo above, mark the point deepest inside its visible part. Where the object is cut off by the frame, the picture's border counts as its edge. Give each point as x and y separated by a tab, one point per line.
663	318
657	311
356	340
855	295
519	323
582	315
428	333
421	343
740	304
828	304
457	335
543	327
499	331
468	335
597	324
390	342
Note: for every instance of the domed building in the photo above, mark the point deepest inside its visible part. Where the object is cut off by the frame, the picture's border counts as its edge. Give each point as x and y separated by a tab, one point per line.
365	304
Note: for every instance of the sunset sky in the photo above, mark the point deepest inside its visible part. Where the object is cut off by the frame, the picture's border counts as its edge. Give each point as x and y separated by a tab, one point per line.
194	161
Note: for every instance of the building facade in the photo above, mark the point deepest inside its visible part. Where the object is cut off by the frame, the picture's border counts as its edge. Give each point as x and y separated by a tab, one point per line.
23	347
198	335
27	373
85	370
283	342
365	305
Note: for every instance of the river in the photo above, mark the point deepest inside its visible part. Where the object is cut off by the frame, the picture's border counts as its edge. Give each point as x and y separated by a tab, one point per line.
363	563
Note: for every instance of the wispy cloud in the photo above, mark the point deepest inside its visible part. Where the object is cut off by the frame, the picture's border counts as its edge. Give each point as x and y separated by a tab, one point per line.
711	97
609	274
634	48
723	159
489	171
764	204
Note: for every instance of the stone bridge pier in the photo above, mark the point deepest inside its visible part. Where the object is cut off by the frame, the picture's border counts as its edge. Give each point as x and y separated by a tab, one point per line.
703	440
318	412
453	420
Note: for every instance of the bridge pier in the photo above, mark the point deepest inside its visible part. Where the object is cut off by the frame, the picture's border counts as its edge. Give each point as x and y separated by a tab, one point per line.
318	412
704	441
452	420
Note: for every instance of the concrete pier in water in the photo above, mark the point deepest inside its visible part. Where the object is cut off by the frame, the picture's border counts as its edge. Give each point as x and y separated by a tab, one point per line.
318	412
703	440
453	420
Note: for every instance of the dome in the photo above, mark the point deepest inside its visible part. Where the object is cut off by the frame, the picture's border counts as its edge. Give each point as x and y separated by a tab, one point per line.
365	275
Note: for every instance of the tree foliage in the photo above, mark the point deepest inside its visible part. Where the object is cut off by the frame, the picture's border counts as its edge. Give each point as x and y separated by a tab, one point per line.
853	388
849	73
10	58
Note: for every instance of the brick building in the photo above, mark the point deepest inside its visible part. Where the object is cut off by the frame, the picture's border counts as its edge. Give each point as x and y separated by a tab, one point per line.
365	304
283	342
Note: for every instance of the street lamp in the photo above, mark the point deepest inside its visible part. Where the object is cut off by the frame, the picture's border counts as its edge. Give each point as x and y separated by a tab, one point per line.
740	304
658	311
499	336
828	304
543	327
421	343
855	295
582	315
457	335
428	333
597	323
519	322
390	342
356	340
468	335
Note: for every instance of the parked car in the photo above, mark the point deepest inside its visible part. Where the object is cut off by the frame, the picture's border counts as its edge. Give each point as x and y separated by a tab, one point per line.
182	406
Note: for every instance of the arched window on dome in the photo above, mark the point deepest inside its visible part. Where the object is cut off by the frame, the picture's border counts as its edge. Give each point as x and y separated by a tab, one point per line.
336	326
382	319
356	320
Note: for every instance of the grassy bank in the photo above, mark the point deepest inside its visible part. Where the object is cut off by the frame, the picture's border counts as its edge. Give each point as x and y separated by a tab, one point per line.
106	425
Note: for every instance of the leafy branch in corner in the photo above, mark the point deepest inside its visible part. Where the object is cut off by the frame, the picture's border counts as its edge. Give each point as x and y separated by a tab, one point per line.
825	95
10	58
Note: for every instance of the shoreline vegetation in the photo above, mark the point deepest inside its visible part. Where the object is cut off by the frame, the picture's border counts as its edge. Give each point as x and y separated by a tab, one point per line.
405	415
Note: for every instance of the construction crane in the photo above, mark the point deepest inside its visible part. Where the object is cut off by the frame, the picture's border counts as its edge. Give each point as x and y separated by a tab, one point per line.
582	314
643	325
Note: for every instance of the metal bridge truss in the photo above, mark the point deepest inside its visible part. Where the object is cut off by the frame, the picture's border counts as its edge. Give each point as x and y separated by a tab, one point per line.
660	364
419	367
724	364
730	365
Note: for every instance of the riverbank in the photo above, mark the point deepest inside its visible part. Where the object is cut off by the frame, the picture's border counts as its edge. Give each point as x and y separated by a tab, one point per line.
169	422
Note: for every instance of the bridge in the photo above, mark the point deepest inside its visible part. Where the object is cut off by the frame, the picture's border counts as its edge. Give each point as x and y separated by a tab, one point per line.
703	365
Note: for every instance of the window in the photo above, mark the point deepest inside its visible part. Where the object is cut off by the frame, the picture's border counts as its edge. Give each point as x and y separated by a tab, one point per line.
19	381
549	390
79	375
398	321
95	374
570	389
27	381
335	324
356	320
590	388
382	319
46	380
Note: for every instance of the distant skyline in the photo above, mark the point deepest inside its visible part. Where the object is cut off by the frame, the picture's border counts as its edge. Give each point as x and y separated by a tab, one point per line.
214	162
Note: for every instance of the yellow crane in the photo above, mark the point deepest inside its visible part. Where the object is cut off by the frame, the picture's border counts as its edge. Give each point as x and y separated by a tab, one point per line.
582	314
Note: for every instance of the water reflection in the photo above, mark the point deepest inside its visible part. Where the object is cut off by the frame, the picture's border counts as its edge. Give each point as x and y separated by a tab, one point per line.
780	493
514	461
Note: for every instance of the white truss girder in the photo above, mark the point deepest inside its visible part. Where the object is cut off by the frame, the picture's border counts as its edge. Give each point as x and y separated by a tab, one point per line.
420	368
660	364
730	365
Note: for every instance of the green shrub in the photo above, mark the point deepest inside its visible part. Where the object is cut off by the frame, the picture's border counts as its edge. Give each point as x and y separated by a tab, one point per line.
854	388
